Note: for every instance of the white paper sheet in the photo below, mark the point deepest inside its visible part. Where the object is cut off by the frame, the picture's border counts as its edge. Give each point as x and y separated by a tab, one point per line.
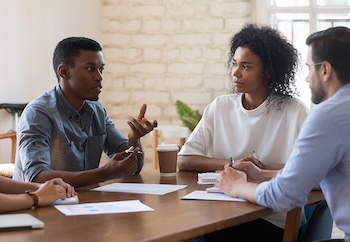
204	195
140	188
104	208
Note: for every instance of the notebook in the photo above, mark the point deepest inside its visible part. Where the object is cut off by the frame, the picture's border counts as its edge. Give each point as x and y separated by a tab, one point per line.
214	190
207	178
19	221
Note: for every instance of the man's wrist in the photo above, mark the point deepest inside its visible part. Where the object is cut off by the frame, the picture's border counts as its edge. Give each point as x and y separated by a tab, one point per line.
134	143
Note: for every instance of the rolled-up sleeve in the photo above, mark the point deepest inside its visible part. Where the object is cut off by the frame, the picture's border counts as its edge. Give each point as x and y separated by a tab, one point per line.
33	143
316	151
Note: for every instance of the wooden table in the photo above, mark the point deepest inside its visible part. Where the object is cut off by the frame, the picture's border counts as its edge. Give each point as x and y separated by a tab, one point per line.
173	219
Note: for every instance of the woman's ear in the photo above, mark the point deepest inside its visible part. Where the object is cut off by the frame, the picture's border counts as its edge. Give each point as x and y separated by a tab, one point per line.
267	80
267	75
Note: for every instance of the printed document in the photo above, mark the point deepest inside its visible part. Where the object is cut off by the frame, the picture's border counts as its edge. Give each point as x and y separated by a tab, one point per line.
103	208
140	188
204	195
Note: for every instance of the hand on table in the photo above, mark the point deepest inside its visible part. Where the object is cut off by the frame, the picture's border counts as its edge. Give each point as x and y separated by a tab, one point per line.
229	180
52	190
123	164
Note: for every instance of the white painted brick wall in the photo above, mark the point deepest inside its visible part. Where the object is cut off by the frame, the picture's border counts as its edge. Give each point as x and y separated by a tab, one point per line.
158	51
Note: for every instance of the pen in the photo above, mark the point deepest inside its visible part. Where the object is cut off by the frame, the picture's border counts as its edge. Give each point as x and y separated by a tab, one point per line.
131	151
254	155
231	162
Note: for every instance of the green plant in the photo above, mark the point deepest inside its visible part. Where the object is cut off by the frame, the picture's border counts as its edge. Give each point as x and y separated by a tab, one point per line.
188	116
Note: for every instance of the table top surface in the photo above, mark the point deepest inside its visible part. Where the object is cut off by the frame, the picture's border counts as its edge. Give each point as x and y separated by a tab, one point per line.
173	219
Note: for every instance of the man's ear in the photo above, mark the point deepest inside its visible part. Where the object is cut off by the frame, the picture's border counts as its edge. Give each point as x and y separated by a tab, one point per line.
62	71
326	69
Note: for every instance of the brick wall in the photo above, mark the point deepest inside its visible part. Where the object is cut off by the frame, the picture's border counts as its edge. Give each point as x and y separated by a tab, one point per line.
158	51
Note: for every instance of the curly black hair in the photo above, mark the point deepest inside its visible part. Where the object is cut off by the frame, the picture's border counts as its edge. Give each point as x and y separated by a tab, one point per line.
280	59
69	48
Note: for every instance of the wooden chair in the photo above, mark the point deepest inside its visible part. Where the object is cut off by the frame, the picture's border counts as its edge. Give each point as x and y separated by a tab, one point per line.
168	132
319	223
16	110
6	169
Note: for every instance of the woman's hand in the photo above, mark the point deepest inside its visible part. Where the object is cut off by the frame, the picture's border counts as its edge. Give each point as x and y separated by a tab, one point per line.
52	190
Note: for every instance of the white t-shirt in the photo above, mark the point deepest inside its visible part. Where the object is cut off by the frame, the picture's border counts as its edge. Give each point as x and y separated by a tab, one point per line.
227	129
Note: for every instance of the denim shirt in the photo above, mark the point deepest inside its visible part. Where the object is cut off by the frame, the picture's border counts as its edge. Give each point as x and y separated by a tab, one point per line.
321	155
52	134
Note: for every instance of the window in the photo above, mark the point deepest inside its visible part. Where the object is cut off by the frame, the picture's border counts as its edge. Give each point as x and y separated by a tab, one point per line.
296	19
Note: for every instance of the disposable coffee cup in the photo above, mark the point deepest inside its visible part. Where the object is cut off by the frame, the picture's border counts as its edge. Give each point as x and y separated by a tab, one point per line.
167	159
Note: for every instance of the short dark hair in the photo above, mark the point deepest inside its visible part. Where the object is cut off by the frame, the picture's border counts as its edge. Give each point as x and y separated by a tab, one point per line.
69	48
279	58
332	45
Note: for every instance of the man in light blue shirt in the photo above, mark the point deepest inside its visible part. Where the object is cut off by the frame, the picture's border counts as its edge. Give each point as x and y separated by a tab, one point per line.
321	154
63	132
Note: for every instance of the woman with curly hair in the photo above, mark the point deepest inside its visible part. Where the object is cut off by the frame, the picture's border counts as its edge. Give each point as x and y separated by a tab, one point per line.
257	123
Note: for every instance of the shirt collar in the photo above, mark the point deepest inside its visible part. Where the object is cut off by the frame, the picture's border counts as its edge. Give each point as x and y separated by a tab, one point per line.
256	111
67	107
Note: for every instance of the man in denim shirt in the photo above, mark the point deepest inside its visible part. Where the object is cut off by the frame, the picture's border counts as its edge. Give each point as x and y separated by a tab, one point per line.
63	132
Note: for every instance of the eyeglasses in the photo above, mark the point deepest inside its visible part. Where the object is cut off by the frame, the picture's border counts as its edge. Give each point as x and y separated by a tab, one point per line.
316	64
309	65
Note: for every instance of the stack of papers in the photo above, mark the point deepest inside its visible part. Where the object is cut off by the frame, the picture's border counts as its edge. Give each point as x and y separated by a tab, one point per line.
69	206
207	178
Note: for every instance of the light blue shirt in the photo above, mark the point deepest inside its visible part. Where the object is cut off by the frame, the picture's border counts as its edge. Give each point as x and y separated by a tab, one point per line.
321	155
53	135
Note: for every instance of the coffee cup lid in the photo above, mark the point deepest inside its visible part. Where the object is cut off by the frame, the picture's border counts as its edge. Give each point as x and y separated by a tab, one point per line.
167	147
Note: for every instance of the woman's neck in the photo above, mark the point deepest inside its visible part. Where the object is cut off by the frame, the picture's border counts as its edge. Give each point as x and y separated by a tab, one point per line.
250	102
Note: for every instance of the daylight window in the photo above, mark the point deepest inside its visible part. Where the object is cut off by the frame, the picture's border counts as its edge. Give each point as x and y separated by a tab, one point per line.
298	18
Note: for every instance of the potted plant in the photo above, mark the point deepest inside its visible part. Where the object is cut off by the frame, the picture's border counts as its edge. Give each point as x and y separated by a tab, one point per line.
187	115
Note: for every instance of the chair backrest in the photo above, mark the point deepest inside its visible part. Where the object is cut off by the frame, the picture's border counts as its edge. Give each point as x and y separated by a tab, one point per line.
12	136
168	131
6	169
319	223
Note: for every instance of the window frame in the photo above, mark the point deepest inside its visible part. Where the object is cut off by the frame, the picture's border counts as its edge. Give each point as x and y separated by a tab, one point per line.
262	14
